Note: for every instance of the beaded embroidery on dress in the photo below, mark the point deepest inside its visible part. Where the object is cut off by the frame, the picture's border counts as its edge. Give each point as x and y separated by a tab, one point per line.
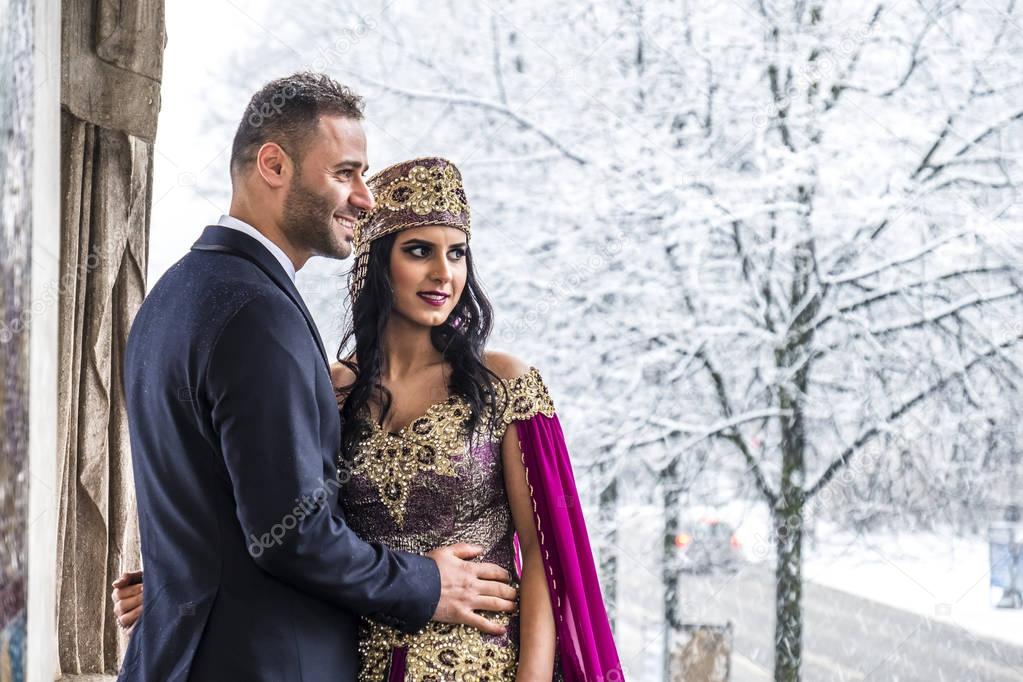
424	487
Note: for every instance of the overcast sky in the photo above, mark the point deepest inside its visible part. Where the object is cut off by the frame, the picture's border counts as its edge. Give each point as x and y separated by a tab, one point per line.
191	187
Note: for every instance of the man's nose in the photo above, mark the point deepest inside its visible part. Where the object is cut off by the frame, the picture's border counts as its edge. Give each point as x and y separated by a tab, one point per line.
361	197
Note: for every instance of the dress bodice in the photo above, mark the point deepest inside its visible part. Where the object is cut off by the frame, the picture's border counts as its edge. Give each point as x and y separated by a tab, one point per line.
430	485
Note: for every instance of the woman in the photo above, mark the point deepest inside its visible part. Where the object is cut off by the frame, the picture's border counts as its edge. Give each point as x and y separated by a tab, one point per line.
444	442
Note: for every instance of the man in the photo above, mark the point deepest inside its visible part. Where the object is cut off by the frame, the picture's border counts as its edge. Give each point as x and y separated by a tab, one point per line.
251	571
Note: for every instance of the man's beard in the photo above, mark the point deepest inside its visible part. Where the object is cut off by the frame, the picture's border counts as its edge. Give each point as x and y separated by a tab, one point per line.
308	221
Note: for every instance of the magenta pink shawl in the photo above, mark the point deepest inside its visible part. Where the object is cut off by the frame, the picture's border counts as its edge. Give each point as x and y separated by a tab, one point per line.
585	645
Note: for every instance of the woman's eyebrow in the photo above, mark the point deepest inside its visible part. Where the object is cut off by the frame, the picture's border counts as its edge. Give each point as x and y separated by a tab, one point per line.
419	241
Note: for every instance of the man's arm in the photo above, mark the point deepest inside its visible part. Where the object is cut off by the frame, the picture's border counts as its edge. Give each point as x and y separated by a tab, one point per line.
261	384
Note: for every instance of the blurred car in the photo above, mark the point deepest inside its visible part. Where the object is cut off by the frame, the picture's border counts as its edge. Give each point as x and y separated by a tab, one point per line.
709	546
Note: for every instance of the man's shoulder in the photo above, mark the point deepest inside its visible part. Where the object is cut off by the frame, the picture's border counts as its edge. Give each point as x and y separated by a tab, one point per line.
264	312
219	265
199	297
217	280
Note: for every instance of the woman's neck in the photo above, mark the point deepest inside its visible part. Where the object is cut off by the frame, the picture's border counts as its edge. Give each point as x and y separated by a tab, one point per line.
406	349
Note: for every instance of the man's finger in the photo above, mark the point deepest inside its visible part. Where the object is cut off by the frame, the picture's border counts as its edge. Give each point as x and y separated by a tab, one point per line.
482	624
494	604
128	620
491	588
131	615
128	578
126	592
124	608
130	604
487	571
464	550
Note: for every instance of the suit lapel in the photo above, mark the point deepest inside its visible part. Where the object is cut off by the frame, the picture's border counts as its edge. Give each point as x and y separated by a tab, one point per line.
226	240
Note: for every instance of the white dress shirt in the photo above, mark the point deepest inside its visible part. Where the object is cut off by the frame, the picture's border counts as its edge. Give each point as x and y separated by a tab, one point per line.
275	251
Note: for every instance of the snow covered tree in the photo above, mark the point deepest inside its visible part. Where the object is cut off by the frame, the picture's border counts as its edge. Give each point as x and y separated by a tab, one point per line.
752	235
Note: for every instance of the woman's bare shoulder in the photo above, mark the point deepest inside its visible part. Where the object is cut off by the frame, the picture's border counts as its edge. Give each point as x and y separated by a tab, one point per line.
505	365
341	376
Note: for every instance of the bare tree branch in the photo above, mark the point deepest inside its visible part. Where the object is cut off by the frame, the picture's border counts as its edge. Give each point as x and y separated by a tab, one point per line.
869	434
475	102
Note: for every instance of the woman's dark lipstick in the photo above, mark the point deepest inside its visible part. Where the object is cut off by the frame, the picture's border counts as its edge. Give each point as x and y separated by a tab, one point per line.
434	298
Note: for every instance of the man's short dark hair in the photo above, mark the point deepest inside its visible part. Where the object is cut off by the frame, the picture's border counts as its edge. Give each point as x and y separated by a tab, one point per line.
286	110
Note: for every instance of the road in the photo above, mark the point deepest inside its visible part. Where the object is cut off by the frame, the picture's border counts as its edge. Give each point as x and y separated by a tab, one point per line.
846	638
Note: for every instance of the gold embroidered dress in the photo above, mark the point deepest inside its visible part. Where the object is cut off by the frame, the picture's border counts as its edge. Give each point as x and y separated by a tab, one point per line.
425	487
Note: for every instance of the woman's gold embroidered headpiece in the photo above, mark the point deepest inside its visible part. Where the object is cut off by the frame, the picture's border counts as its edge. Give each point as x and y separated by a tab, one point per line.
414	193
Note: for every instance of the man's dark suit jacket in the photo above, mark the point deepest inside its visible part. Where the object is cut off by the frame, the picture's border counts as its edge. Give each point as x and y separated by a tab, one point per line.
234	434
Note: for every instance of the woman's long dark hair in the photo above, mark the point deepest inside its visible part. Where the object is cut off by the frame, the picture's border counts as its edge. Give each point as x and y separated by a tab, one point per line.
461	340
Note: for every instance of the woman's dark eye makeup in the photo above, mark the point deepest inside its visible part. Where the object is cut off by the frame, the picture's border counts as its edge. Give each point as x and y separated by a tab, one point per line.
417	250
422	251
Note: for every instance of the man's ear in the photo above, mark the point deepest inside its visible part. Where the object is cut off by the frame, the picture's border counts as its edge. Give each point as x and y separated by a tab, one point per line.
274	164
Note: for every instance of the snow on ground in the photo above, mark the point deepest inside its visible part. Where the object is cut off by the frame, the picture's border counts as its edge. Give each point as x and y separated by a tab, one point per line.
935	575
929	573
940	576
639	622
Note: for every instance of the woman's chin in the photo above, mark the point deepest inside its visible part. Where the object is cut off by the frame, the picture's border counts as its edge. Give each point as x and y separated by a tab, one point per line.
436	319
428	318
